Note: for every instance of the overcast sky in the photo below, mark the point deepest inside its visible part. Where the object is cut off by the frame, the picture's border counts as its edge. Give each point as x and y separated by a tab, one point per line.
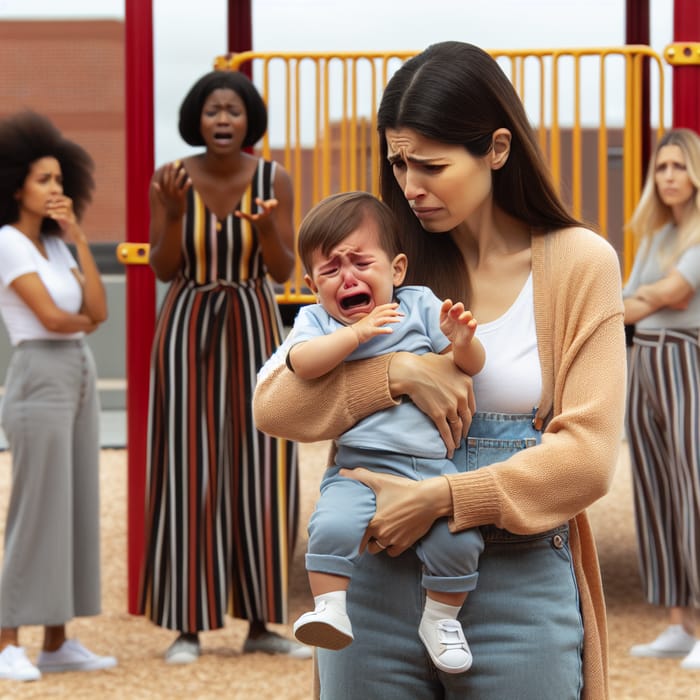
189	34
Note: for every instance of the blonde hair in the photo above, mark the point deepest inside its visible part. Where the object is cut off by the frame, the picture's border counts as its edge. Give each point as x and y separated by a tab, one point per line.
651	213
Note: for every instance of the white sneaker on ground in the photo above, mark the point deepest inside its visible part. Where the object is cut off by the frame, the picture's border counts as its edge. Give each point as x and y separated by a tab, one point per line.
326	626
446	645
15	666
73	656
273	643
184	650
674	641
692	661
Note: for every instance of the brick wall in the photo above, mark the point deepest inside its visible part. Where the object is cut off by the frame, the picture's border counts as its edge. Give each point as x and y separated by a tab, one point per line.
73	72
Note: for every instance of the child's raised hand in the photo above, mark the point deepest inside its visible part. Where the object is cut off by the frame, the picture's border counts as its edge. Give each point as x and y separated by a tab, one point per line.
456	322
375	322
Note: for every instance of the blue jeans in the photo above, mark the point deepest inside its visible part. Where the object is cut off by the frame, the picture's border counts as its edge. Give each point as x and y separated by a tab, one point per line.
522	621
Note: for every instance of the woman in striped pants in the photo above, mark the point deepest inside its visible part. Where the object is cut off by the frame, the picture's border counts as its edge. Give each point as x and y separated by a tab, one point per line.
663	418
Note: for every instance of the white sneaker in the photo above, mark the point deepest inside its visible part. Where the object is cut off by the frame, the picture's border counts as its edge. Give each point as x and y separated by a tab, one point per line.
446	645
273	643
674	641
73	656
184	650
15	666
692	661
326	627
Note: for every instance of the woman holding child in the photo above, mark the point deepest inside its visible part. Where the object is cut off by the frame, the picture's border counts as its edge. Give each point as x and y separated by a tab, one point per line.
481	222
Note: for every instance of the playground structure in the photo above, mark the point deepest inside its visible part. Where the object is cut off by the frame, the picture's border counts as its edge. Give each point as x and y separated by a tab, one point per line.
354	153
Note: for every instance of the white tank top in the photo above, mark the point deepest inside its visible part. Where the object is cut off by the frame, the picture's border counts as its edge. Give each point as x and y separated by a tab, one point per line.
511	379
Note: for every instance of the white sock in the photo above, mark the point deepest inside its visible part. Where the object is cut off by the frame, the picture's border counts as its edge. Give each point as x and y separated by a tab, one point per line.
334	599
435	610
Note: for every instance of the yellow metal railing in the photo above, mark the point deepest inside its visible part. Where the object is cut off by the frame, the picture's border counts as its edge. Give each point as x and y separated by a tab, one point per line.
322	120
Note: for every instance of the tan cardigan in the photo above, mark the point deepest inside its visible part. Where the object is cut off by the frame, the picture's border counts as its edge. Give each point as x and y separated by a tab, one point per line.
580	337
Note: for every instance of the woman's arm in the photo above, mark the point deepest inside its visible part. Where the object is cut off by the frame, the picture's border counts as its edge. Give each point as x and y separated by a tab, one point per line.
672	291
669	291
319	409
34	294
167	199
323	408
94	296
636	309
275	227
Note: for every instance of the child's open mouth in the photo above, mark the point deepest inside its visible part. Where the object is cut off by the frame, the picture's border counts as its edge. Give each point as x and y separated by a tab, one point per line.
351	302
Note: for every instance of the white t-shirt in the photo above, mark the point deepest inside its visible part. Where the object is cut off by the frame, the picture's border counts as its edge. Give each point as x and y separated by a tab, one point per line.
19	256
511	379
647	270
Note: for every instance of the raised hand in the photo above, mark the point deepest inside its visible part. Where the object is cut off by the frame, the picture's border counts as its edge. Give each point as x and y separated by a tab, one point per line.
265	209
375	322
60	209
171	184
457	323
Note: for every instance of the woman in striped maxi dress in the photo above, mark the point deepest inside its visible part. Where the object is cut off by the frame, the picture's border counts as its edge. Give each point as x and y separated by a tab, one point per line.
221	501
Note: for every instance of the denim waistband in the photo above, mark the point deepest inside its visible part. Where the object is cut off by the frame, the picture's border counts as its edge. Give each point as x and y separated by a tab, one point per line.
504	417
491	533
512	426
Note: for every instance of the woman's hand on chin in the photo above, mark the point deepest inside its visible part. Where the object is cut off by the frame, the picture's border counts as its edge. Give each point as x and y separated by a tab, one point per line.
406	509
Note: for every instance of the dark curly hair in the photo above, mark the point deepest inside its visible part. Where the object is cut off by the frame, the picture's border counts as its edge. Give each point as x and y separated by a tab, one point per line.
26	137
191	108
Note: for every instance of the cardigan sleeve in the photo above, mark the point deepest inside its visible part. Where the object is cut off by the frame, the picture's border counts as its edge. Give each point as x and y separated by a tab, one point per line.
546	485
320	409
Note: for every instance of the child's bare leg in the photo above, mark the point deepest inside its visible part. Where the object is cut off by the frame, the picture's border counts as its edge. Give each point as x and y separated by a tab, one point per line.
321	583
456	599
442	633
328	625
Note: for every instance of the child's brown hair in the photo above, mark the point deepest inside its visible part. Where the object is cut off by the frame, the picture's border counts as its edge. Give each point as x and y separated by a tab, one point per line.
334	218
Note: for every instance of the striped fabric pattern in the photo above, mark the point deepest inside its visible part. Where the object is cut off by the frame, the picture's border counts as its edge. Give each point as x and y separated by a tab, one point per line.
663	428
222	498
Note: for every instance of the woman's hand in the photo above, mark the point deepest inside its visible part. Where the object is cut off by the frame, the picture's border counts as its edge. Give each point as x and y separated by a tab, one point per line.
265	209
60	209
171	184
406	509
438	388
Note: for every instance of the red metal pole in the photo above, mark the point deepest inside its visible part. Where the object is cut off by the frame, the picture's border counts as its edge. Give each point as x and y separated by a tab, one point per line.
637	32
140	281
686	64
240	29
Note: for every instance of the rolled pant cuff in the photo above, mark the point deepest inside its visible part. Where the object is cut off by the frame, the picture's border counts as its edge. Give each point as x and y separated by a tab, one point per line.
450	584
329	564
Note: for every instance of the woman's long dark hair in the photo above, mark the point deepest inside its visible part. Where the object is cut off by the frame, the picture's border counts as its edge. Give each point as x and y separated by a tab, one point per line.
27	137
457	94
